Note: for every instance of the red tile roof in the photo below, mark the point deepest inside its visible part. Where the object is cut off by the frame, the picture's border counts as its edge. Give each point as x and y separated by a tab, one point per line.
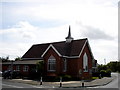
65	49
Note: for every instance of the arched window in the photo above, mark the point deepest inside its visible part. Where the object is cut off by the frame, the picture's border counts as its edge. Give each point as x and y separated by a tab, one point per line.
85	63
51	63
64	65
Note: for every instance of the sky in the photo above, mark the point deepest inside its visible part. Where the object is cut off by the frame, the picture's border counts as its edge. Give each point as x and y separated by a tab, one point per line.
24	23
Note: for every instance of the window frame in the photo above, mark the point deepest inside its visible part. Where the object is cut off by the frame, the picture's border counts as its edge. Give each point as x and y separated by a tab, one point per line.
64	65
25	68
51	64
85	62
18	68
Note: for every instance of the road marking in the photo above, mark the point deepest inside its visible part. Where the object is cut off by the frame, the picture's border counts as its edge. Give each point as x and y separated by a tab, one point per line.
11	85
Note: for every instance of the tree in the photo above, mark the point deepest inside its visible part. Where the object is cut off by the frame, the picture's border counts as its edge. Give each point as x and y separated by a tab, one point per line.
114	66
40	67
18	59
118	66
5	59
102	67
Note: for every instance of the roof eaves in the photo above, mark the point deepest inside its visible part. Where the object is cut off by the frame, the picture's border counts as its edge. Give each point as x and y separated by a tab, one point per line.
32	58
71	56
82	48
90	50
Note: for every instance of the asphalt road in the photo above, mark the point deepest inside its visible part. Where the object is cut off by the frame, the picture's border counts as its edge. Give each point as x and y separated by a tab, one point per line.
113	84
9	84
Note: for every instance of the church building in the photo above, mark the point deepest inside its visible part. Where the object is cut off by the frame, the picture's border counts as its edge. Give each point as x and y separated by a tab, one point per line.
70	57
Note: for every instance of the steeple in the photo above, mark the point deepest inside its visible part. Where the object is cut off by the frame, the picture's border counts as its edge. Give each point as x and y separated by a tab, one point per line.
69	38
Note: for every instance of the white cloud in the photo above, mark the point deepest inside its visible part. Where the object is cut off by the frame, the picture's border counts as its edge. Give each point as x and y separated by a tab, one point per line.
98	18
36	35
95	33
18	39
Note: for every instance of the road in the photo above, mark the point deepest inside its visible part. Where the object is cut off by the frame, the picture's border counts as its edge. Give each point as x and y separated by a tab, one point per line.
113	84
9	84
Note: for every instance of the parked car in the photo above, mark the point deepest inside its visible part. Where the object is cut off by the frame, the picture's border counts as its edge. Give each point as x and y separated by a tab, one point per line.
9	74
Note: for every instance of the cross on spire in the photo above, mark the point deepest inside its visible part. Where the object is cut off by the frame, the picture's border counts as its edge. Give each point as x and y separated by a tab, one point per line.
69	38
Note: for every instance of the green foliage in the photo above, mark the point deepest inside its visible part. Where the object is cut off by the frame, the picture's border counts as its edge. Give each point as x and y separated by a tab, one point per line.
40	67
118	67
104	70
66	77
114	66
93	78
110	67
5	59
18	59
102	67
108	71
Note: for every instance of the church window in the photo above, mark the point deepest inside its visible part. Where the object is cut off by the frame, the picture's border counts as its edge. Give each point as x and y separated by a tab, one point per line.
51	63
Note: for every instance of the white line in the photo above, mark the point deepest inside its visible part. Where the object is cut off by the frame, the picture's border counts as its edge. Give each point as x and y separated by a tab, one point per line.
12	86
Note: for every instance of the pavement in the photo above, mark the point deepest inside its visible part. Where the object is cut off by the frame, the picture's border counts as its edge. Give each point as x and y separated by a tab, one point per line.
67	84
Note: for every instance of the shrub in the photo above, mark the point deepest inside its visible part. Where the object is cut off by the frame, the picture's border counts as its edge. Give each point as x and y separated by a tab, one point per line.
66	77
108	73
93	78
105	73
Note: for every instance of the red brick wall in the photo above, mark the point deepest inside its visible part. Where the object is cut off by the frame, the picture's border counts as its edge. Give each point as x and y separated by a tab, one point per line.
58	63
73	64
80	62
72	67
5	67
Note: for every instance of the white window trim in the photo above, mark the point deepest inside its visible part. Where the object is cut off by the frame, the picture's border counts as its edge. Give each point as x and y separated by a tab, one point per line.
65	65
51	58
18	68
85	62
25	68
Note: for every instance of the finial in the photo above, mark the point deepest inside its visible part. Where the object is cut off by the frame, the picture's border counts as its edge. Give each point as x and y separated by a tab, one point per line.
69	38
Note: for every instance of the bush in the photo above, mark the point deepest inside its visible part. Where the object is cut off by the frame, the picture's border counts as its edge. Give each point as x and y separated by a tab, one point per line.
108	73
105	73
93	78
66	77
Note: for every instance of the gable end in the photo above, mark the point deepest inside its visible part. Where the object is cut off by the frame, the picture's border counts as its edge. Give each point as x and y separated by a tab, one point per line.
50	46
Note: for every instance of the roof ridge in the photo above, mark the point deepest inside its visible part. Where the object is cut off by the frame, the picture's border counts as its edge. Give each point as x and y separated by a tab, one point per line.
58	42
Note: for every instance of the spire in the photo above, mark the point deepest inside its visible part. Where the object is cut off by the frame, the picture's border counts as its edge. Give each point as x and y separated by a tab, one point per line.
69	38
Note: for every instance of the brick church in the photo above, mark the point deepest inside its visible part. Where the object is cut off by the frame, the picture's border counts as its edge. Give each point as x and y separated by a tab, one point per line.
70	57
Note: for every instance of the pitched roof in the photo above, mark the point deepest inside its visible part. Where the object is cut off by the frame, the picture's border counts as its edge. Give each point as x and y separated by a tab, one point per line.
65	49
21	62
